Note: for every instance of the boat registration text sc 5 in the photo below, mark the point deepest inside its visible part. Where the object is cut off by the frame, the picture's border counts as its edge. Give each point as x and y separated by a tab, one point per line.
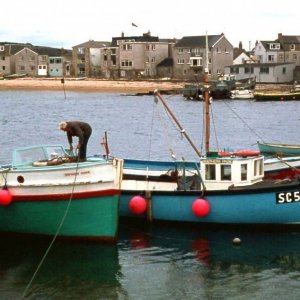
288	197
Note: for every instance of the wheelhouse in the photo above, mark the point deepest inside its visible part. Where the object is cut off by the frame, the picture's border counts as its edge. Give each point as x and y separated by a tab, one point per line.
222	173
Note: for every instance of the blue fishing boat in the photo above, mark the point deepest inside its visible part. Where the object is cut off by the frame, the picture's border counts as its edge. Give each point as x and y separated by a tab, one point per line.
225	188
45	191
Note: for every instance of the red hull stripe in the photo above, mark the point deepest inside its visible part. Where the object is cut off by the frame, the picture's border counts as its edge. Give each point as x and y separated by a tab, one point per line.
56	197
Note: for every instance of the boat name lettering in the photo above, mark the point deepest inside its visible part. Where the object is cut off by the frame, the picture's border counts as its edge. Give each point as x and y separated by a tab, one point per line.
288	197
77	173
217	161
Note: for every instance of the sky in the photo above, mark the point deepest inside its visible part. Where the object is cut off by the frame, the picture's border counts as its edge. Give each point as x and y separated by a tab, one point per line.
64	23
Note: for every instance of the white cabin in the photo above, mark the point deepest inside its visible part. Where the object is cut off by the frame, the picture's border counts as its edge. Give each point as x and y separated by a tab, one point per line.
222	173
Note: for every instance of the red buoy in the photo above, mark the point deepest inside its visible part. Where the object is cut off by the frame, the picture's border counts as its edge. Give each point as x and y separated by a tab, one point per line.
201	207
5	197
137	205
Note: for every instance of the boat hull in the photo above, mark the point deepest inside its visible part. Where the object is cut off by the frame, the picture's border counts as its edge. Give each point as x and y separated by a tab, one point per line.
279	149
277	96
254	207
87	217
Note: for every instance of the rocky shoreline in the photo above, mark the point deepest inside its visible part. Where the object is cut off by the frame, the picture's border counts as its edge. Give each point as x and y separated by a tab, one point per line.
112	86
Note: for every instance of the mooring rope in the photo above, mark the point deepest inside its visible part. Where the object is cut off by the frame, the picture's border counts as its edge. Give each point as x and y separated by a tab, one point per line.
286	163
55	236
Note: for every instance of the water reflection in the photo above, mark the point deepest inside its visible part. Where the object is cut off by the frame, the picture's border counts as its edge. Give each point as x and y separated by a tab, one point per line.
69	269
207	264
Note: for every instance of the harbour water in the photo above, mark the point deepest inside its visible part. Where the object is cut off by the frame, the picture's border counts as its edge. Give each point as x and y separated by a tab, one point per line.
149	261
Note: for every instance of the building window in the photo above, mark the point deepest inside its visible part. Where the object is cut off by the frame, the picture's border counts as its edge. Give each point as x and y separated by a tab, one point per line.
234	70
196	62
275	46
249	70
180	61
292	47
294	56
198	52
80	50
153	60
127	47
1	48
3	68
180	50
280	57
271	58
126	63
153	47
284	70
264	70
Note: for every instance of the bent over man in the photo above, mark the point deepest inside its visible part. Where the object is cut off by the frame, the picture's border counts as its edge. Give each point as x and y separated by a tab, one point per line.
81	130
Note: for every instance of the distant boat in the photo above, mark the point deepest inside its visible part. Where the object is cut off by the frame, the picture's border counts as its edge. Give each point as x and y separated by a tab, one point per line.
277	96
14	76
220	89
242	94
279	149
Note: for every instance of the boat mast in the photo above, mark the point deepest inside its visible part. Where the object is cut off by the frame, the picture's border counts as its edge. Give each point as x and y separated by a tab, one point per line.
182	130
206	101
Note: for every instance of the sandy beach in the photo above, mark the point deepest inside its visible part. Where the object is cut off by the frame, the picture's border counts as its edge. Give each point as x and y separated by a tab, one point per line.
122	86
111	86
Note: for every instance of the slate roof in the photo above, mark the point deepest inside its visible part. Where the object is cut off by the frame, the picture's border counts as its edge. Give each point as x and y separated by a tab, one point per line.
289	39
94	44
198	41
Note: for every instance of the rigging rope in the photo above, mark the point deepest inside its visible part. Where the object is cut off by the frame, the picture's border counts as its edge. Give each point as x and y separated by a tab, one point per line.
253	131
55	236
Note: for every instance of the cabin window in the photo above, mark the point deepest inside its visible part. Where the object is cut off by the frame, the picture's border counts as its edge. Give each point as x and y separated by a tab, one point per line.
210	172
225	172
258	167
244	172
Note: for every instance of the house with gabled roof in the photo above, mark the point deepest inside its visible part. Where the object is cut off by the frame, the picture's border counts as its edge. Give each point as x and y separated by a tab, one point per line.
192	55
291	51
284	50
34	61
53	62
40	61
7	61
